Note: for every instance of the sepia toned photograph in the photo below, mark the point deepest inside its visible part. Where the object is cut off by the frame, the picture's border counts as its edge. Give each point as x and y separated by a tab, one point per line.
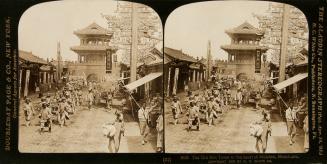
236	78
90	78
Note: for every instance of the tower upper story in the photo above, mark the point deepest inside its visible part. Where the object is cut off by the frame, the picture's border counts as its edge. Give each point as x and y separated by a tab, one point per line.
93	38
244	37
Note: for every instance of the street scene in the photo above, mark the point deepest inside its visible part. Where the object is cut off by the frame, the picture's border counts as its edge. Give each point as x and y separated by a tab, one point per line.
236	78
94	83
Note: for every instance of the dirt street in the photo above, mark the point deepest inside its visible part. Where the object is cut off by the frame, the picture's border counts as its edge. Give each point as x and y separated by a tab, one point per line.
229	135
82	134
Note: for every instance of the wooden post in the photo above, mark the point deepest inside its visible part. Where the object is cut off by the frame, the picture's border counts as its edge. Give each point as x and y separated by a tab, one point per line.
209	64
40	77
175	80
283	49
295	90
198	76
51	77
194	77
48	77
20	81
27	80
44	77
168	83
133	58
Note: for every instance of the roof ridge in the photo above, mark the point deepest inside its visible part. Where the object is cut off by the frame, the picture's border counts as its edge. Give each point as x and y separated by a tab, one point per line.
93	26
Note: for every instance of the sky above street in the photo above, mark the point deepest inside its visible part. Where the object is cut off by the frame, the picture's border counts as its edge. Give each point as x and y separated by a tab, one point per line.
188	28
45	24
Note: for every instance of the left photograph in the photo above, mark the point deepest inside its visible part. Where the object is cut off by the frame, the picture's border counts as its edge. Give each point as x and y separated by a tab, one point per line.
90	78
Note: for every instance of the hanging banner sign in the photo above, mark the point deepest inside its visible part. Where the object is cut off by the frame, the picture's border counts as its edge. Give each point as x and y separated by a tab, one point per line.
258	61
108	61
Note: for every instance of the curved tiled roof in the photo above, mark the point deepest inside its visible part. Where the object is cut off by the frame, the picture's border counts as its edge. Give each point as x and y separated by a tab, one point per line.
92	29
178	54
30	57
245	28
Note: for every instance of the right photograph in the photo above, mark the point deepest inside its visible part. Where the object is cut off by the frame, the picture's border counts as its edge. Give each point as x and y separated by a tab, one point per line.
235	78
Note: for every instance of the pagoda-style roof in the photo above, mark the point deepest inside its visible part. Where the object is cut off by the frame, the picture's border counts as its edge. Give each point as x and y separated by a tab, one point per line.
179	55
245	47
91	48
93	29
31	58
246	29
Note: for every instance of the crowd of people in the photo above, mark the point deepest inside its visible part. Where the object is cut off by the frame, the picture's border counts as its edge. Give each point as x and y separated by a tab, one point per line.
57	107
207	106
149	115
210	103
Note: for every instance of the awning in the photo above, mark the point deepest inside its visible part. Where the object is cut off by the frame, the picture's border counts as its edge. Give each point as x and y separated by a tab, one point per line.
290	81
142	80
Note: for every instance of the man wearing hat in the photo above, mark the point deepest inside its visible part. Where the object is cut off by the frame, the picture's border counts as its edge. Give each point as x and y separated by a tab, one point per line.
28	111
176	109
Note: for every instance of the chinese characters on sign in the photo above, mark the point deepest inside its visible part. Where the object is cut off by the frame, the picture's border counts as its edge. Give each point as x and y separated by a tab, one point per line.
258	61
108	62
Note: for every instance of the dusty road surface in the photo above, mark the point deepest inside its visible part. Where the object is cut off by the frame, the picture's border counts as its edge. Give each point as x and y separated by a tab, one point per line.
83	133
229	135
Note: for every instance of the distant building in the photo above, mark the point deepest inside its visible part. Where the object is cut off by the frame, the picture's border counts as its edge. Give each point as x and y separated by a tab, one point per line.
149	75
34	72
244	52
295	84
96	57
181	70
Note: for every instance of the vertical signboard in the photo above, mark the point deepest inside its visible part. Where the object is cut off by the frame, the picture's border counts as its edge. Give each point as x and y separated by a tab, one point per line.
108	61
258	61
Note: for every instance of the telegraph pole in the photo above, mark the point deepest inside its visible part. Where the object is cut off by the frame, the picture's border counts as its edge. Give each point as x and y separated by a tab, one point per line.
283	48
209	61
133	58
59	62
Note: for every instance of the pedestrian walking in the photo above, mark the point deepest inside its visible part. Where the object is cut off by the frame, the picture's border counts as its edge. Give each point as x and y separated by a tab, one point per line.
306	133
63	114
238	98
28	111
143	123
266	130
45	118
115	137
160	133
290	115
193	119
90	99
176	109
